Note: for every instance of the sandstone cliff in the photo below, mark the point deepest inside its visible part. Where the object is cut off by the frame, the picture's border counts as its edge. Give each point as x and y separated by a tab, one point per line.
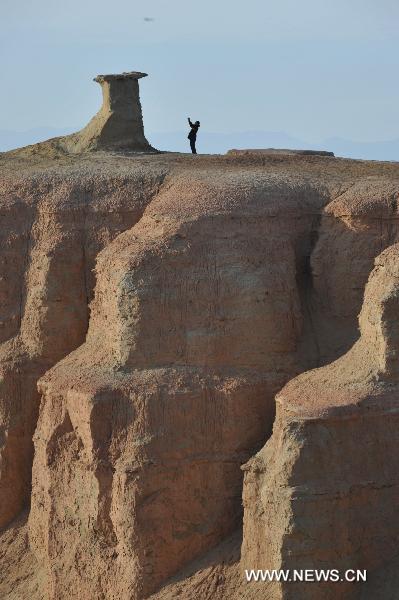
216	282
323	492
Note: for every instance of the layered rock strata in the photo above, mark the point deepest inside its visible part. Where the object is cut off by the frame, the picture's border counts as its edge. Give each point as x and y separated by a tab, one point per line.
216	283
191	334
323	493
52	232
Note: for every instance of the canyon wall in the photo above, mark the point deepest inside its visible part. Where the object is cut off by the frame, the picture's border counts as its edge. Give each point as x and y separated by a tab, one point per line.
323	492
215	284
52	230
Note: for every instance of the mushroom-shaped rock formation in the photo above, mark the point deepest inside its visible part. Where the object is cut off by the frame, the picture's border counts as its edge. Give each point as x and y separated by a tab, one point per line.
119	123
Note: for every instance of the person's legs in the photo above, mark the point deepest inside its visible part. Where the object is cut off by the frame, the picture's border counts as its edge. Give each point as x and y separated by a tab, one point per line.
192	145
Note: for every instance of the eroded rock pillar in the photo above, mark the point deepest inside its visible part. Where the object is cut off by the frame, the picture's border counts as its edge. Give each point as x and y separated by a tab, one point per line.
119	123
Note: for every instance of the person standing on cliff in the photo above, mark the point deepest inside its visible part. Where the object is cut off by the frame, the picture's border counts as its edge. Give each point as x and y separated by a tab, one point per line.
192	136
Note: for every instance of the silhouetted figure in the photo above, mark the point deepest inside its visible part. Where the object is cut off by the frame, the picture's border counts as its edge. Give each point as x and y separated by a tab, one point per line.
192	136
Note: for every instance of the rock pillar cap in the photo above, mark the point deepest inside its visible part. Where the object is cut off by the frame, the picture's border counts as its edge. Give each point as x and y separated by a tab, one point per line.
112	77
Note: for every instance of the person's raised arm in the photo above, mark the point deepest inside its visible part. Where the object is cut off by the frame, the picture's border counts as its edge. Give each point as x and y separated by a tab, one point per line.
189	122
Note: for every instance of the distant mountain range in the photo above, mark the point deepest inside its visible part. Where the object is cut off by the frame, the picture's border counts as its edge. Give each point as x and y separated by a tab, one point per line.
219	143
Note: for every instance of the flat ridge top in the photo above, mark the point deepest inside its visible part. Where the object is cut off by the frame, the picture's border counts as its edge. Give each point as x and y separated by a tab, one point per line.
281	151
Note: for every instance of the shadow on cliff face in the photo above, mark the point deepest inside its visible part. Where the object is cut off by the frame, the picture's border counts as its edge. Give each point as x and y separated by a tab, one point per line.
333	266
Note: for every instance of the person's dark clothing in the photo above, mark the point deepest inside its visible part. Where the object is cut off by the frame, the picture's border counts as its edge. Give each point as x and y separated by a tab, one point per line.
192	145
192	136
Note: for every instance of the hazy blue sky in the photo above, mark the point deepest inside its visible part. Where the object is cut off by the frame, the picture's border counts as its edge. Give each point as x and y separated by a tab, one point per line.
312	68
